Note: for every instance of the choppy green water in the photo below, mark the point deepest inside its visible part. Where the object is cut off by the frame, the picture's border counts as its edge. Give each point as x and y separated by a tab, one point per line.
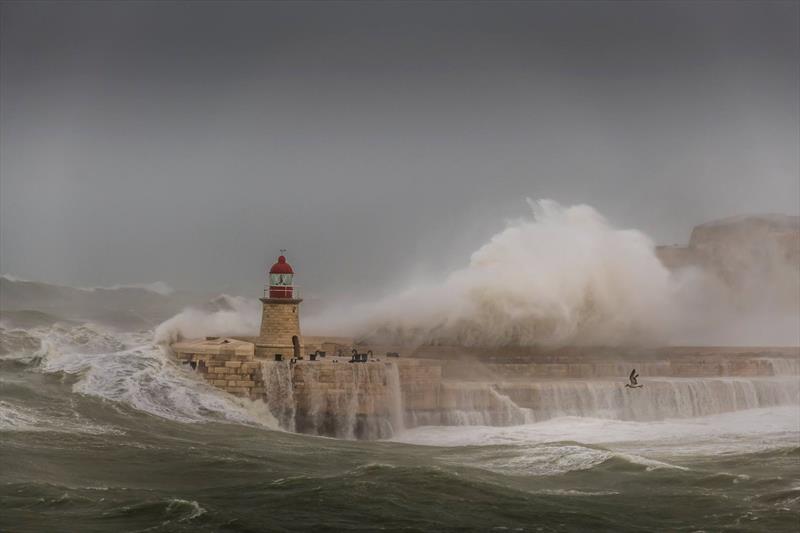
102	442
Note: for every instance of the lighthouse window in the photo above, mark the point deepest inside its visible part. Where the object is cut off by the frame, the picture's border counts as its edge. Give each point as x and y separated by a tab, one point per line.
287	279
274	279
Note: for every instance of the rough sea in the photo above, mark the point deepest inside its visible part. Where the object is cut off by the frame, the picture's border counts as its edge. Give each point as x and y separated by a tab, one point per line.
100	432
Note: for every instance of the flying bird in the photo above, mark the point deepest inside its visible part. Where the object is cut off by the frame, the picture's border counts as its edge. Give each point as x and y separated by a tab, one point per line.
634	384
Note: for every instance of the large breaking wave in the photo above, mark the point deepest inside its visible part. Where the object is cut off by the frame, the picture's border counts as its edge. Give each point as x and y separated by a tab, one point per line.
564	274
126	368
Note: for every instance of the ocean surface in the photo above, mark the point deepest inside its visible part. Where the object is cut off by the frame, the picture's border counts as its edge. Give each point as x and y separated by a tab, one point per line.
100	431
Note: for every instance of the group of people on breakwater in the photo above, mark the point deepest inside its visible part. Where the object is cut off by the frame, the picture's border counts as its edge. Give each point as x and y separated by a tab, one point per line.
355	356
368	356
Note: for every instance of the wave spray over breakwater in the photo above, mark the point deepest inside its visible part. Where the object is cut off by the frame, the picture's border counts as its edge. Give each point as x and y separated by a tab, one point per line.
567	276
562	275
225	315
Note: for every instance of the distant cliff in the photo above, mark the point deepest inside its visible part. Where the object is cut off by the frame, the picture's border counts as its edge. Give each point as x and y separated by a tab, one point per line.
757	257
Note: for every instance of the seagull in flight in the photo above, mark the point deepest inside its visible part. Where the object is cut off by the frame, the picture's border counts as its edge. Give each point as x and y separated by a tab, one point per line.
634	384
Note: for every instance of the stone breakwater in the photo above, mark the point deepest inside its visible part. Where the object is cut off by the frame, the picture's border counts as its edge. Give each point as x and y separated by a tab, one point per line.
376	399
228	364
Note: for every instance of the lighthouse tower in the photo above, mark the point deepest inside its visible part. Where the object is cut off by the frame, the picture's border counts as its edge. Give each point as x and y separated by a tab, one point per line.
280	317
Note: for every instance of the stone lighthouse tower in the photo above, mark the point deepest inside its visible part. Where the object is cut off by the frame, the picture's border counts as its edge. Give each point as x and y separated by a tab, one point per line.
280	317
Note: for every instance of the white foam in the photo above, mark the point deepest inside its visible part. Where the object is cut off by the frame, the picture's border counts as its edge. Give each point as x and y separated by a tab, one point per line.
542	460
19	345
144	377
546	459
749	430
86	338
571	443
194	508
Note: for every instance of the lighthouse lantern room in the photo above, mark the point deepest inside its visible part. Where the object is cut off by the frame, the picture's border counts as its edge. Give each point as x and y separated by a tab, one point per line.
280	317
280	279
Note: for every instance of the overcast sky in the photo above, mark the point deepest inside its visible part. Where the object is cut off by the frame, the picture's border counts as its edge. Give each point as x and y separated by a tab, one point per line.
190	142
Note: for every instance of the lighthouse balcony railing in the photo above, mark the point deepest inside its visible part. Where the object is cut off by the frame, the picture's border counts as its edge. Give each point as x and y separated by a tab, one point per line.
291	292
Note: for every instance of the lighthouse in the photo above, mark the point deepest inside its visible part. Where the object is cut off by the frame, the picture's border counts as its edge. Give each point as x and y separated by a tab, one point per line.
280	316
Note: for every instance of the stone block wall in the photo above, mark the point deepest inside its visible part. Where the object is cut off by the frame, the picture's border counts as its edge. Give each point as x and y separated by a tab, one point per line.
346	400
227	364
336	388
420	383
280	321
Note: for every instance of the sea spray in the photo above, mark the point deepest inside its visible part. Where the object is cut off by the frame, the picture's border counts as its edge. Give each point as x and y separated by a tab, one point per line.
225	315
563	275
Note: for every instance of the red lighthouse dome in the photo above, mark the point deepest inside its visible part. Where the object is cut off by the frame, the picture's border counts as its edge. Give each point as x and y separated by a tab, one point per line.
281	267
281	279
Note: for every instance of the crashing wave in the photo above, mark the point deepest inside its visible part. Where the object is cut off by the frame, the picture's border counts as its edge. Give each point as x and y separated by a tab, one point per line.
562	275
127	368
225	315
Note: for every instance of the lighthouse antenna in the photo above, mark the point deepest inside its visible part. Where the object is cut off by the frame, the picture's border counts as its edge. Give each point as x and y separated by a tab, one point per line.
283	250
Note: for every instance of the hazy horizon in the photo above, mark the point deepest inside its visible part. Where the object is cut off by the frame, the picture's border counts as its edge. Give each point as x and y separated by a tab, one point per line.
189	143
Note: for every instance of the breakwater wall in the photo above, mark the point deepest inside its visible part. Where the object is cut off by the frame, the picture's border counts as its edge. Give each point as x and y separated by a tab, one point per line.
375	399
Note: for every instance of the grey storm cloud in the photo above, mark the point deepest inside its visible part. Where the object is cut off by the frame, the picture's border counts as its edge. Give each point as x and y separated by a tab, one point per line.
189	142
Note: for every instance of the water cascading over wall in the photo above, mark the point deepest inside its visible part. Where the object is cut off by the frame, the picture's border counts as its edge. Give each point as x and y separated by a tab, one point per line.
471	404
512	403
376	400
343	400
396	411
783	367
279	392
